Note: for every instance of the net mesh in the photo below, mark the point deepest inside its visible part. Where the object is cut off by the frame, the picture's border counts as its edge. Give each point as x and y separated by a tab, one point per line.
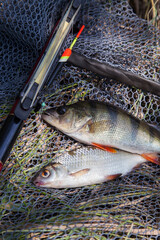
127	208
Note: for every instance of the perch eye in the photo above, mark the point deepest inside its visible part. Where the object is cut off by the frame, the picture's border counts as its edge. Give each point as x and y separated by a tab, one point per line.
61	110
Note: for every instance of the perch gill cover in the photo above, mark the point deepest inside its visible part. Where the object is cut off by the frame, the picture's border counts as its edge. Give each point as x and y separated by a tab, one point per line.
125	208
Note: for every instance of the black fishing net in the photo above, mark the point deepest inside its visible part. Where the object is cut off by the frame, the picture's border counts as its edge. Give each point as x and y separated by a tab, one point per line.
126	208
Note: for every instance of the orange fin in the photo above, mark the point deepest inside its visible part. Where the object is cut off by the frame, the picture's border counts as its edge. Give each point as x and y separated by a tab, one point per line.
80	172
104	147
152	157
114	176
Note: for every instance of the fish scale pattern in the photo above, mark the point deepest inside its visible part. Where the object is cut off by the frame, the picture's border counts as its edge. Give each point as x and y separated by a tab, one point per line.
126	208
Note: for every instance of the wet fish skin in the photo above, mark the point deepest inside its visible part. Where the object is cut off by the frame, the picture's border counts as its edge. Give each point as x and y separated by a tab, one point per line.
86	166
95	122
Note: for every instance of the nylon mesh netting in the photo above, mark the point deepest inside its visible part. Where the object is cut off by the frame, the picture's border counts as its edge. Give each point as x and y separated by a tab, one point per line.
126	208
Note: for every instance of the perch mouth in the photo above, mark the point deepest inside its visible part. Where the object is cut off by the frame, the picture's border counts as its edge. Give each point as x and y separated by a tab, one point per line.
49	117
46	113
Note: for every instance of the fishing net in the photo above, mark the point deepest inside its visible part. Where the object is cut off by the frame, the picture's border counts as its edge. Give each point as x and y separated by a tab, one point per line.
126	208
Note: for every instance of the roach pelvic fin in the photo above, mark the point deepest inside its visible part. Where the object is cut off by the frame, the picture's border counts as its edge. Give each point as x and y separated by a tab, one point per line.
114	176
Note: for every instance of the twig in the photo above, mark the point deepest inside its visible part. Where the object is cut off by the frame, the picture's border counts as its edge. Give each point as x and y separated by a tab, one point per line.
93	226
134	202
130	230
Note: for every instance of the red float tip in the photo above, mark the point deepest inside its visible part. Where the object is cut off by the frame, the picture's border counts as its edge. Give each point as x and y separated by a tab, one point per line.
80	31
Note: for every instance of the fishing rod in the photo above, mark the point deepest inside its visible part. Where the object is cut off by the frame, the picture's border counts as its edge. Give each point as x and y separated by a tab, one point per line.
106	70
45	67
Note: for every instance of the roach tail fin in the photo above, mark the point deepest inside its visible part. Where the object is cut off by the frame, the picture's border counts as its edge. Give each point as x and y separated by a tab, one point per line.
152	157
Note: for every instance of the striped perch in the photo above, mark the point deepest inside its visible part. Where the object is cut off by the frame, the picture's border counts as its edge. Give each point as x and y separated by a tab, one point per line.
106	127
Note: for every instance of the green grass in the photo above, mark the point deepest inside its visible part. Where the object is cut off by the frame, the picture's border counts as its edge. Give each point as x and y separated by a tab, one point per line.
68	214
123	209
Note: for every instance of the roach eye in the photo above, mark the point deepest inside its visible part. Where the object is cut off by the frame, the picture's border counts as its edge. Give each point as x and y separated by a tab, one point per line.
45	173
61	110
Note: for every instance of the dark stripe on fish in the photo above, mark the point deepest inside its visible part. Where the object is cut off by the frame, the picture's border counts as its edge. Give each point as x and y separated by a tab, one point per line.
113	115
93	109
151	134
134	128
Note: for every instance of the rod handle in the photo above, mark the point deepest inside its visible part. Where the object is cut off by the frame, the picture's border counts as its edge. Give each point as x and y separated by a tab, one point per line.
8	135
